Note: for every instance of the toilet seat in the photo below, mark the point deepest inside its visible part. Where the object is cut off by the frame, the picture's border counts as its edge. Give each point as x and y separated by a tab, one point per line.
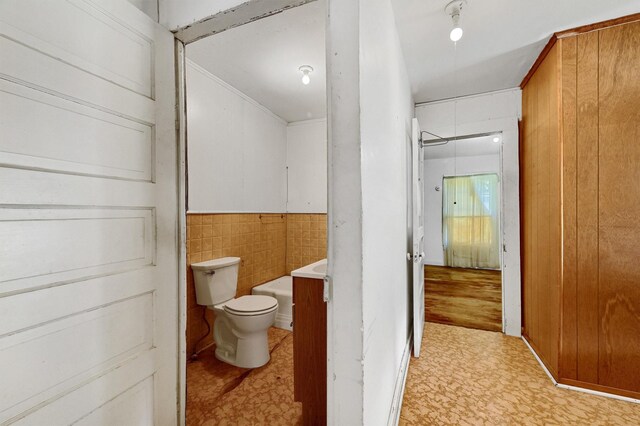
251	305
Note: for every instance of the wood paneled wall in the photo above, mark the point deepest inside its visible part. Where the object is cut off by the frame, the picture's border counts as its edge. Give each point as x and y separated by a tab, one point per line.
541	216
568	363
580	159
619	207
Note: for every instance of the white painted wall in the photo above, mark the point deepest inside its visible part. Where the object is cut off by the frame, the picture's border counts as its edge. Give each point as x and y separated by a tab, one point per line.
307	166
490	112
272	49
344	230
236	149
386	108
370	108
434	170
243	158
149	7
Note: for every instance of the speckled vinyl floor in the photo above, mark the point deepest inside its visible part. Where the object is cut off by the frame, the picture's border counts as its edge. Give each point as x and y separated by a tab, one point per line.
474	377
221	394
463	377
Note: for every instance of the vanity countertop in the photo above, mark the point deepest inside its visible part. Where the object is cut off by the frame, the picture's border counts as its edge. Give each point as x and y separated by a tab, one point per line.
317	270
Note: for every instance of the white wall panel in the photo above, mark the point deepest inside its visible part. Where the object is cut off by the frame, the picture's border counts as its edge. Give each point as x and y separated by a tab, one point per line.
59	38
34	187
88	208
132	407
24	65
80	243
386	112
307	166
440	116
22	311
96	143
125	328
92	395
236	149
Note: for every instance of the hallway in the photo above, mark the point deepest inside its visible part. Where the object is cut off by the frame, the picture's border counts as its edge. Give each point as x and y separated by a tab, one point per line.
469	376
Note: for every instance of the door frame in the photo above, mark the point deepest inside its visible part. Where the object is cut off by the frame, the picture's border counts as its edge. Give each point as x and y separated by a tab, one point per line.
501	233
416	255
181	136
208	26
509	216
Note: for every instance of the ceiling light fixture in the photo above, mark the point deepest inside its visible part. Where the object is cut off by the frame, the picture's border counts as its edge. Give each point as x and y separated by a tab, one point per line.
454	9
306	70
496	139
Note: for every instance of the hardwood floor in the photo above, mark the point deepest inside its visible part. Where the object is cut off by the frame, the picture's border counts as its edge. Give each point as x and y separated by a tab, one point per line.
469	298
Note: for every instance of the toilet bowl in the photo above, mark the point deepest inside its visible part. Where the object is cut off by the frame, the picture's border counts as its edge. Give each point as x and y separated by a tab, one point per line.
241	325
242	332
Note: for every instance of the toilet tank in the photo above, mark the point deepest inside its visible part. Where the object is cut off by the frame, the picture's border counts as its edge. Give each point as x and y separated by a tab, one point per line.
216	280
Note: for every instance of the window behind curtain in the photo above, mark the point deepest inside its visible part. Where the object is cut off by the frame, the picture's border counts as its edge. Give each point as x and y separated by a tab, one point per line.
470	221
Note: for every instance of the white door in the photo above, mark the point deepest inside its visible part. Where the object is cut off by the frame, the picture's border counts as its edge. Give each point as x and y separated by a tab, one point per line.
88	208
418	236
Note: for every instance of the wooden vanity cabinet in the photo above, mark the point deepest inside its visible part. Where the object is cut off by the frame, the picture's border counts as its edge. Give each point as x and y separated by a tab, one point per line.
310	349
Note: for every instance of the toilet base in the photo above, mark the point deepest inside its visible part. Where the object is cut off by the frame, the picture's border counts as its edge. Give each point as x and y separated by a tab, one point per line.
257	359
244	350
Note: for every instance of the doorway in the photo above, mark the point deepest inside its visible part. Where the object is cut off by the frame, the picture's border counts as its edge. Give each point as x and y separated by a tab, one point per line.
256	183
463	263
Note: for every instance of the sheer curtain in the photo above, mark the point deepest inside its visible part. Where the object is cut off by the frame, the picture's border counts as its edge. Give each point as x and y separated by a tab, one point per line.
470	221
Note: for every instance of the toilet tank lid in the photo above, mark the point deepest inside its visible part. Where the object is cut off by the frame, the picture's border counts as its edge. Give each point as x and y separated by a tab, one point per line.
215	263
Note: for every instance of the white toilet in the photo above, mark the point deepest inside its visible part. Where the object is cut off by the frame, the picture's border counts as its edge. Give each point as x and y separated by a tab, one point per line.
241	325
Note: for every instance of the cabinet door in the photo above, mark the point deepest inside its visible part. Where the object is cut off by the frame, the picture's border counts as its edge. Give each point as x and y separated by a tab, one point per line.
310	349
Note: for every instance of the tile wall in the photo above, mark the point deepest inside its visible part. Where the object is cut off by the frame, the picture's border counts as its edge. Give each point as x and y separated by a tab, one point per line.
306	239
270	246
258	239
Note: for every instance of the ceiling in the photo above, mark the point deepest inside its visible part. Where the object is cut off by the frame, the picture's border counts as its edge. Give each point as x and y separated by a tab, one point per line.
463	148
502	39
261	59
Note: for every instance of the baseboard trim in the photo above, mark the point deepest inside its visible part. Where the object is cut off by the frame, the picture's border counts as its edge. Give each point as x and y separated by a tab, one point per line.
571	384
401	381
576	388
544	367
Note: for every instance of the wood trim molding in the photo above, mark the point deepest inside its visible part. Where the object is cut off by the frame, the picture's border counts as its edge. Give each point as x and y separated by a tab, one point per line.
573	32
244	13
598	25
553	374
401	381
577	385
539	60
599	388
